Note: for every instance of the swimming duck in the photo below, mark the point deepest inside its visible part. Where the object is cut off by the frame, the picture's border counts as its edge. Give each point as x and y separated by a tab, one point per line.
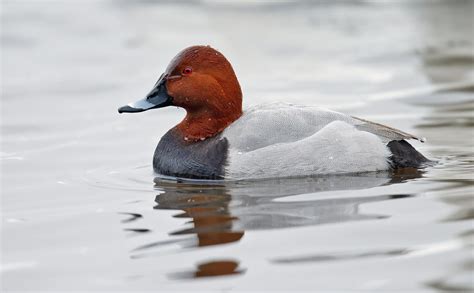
218	140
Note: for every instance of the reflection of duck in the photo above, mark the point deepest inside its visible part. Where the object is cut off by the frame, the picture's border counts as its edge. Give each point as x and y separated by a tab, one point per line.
208	208
211	269
211	219
267	204
222	212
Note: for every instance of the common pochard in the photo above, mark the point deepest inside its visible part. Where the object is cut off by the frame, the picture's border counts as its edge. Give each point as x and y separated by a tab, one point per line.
217	140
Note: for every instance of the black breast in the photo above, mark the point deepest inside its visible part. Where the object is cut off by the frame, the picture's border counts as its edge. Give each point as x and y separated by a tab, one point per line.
198	160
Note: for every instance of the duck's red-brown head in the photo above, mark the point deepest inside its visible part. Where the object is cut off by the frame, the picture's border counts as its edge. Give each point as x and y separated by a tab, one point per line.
202	81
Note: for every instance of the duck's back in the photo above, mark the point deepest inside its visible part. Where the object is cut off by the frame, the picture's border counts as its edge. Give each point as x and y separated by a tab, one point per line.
275	123
282	140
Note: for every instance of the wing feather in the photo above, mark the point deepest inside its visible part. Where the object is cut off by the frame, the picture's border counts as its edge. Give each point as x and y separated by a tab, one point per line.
384	131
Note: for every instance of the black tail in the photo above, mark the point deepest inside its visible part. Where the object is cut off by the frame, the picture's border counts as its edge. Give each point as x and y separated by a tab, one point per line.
405	156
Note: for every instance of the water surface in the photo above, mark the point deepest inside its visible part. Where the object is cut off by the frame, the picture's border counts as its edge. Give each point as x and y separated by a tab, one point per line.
82	209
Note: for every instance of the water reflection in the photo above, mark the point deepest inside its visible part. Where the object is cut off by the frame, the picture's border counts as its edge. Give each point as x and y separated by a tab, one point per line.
222	212
132	217
341	256
211	269
453	113
449	124
269	204
207	206
459	278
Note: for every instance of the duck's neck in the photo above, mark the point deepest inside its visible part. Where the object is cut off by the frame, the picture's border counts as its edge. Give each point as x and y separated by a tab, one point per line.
199	125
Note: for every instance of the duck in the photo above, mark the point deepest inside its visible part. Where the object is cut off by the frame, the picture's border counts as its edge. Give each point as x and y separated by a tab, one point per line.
218	140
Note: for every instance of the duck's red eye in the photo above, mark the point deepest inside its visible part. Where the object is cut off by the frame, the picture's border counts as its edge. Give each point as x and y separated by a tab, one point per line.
187	70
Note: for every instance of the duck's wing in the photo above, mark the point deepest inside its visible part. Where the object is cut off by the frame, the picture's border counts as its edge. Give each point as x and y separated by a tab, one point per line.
386	133
337	148
276	123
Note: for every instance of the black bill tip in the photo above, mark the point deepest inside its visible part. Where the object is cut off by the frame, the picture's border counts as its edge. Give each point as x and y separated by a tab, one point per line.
128	109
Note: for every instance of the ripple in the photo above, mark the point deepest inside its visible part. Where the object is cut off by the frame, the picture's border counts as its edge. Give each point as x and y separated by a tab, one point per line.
134	179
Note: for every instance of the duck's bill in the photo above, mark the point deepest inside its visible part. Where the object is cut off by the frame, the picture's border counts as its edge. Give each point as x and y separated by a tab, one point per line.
157	98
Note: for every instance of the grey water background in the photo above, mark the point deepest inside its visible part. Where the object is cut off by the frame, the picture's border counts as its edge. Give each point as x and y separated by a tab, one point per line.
82	210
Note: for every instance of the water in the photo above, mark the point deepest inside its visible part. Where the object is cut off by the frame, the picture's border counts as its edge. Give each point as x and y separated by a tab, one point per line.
82	210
